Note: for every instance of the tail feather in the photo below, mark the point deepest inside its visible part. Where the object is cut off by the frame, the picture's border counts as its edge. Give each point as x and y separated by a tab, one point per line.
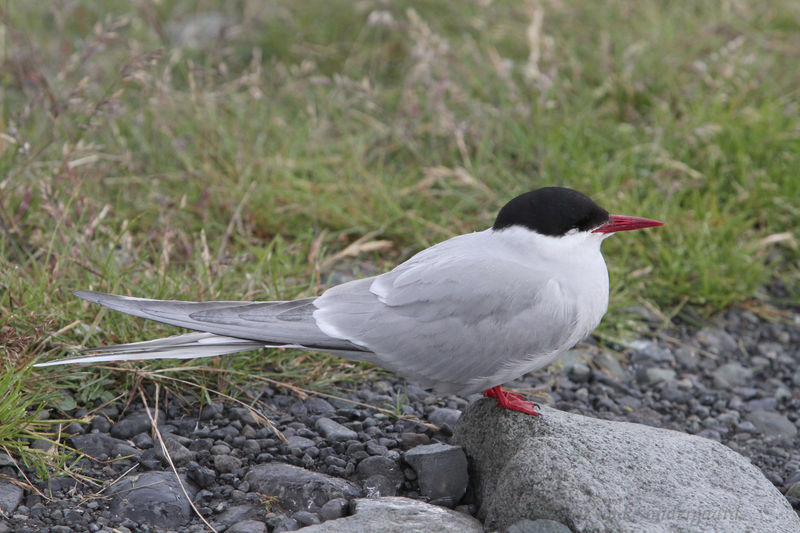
275	323
223	328
188	346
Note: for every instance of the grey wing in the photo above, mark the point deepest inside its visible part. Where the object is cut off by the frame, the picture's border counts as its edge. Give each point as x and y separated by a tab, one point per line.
273	323
454	322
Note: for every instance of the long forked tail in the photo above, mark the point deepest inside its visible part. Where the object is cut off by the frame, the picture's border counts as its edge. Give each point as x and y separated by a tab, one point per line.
188	346
224	328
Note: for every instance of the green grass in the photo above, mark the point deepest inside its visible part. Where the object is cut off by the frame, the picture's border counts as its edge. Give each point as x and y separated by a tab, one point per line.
237	166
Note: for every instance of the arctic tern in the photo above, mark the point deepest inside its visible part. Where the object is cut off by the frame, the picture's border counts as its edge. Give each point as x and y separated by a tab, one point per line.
463	316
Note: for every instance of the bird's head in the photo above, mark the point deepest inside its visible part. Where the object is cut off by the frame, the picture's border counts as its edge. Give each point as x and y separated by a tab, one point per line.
561	212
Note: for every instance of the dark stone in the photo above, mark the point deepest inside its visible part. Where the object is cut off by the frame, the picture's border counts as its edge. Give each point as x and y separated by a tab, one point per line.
444	416
333	430
298	489
97	445
10	496
202	476
306	518
153	498
441	471
386	475
133	424
335	508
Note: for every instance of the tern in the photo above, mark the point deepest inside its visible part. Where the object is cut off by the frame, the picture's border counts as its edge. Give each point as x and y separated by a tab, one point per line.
463	316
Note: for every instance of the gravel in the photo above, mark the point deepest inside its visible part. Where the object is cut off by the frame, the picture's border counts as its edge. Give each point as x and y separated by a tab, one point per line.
735	380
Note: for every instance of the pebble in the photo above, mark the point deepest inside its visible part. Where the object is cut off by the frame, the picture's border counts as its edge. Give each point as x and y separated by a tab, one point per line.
443	416
441	470
657	375
334	431
731	375
333	509
152	498
10	496
772	424
298	489
134	423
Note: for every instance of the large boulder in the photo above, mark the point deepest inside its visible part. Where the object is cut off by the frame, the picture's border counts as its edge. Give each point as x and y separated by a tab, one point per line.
599	475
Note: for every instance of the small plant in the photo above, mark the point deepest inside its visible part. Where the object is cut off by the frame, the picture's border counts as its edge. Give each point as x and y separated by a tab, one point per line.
21	425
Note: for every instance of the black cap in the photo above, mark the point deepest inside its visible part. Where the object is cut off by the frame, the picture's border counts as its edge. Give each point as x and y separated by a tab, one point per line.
551	211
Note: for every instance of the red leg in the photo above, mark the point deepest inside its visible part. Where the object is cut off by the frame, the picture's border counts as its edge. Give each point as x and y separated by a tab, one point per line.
510	400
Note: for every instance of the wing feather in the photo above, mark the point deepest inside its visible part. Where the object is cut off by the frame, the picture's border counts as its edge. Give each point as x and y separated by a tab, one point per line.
451	318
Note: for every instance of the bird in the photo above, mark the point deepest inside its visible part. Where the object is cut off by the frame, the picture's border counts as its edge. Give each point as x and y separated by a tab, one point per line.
466	315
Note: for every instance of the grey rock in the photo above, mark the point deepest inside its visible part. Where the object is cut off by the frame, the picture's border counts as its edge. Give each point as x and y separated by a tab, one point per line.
333	430
770	350
211	411
411	439
685	357
101	424
179	453
580	372
97	445
441	471
133	424
153	498
123	449
377	486
717	341
443	415
581	472
794	491
298	489
226	463
771	424
143	440
248	526
317	405
201	475
237	514
10	496
380	475
4	527
398	515
746	427
336	508
611	366
305	518
61	484
573	357
651	352
296	441
762	404
538	526
287	524
731	375
657	375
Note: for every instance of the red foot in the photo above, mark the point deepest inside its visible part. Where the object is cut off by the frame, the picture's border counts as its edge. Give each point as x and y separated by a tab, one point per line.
511	400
